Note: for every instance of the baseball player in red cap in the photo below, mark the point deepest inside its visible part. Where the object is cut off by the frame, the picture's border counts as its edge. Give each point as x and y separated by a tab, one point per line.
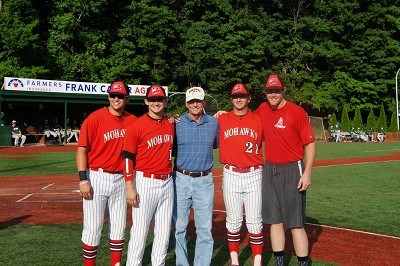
240	151
147	170
99	163
289	139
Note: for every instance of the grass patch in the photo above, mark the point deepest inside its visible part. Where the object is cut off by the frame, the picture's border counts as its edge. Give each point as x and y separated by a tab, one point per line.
362	197
44	164
333	150
48	245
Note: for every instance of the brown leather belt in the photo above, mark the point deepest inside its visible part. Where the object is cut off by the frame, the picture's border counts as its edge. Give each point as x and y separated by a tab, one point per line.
241	170
156	176
193	174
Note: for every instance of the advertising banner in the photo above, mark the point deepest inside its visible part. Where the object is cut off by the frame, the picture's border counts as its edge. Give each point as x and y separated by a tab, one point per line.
57	86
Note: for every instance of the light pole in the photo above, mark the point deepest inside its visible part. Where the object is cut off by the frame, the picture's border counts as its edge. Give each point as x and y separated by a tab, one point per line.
397	101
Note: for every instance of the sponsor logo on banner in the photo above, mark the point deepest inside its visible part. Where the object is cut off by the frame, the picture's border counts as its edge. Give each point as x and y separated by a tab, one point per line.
56	86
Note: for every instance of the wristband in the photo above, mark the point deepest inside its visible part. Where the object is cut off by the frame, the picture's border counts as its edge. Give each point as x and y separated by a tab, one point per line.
82	175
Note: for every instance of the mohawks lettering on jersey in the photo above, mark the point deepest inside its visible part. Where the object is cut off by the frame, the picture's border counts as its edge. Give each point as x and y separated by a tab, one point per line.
114	134
236	131
160	139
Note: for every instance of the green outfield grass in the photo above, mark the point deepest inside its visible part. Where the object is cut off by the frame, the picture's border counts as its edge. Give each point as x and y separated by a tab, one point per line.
362	197
333	150
64	162
49	245
51	163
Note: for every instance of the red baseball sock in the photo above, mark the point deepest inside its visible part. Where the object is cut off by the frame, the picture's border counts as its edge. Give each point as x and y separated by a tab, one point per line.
233	241
256	243
116	247
89	255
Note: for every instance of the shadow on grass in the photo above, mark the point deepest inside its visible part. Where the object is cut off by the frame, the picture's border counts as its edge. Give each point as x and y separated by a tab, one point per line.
14	221
313	232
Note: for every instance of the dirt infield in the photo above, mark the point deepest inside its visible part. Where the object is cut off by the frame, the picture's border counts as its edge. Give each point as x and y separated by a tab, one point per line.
50	199
35	149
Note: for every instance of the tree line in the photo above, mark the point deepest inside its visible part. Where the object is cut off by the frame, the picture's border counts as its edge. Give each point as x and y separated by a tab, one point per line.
332	55
372	122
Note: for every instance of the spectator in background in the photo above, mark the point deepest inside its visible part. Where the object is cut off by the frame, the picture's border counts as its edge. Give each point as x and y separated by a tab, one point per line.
361	135
332	134
48	129
16	134
73	131
338	127
353	135
381	135
370	134
58	129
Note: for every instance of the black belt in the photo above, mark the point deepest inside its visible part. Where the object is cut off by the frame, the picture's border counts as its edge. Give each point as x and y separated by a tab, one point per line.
193	174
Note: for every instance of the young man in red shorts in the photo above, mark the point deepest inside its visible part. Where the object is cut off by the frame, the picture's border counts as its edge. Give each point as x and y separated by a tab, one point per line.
288	140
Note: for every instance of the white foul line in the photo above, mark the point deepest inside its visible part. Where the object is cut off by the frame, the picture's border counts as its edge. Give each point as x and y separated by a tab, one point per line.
49	185
347	164
344	229
27	196
356	231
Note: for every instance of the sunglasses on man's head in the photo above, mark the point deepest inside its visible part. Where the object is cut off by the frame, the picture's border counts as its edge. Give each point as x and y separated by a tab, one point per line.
119	96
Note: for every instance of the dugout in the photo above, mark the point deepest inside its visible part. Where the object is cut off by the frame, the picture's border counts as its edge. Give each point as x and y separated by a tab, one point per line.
30	108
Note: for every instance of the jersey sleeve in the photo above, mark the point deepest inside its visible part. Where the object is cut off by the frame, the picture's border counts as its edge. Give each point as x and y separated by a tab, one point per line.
86	133
305	129
131	139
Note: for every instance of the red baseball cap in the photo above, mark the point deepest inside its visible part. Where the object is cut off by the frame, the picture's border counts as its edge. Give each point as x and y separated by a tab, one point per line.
274	82
118	87
155	91
240	89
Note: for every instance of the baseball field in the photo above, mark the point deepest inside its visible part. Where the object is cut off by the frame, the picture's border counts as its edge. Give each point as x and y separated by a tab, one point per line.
352	213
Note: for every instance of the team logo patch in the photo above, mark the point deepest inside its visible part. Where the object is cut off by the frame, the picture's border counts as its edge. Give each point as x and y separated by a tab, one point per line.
238	89
193	90
117	87
272	81
279	124
156	91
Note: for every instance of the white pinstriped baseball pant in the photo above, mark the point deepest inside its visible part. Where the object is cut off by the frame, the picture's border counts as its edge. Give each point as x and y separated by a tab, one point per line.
156	199
108	195
243	189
